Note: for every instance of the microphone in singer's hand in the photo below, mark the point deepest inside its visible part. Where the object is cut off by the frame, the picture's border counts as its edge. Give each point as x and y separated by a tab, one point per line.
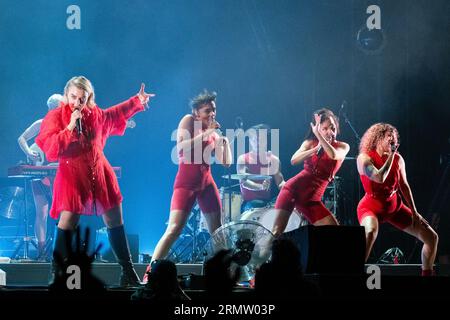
79	128
319	151
393	147
78	124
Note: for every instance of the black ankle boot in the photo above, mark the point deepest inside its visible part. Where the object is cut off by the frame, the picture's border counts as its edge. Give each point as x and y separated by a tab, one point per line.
63	242
119	245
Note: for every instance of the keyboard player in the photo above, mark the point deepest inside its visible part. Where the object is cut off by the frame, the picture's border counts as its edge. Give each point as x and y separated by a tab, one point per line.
41	188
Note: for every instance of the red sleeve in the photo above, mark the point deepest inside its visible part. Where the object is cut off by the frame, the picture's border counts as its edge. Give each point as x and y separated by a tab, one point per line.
54	137
115	118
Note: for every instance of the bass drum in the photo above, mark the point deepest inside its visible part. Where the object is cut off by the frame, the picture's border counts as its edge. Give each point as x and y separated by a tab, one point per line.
266	217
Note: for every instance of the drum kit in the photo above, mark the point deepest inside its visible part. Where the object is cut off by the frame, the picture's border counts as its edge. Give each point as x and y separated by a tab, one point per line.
232	202
187	249
15	235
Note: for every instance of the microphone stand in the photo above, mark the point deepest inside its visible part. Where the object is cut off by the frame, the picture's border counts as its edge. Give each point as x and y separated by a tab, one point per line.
341	111
350	125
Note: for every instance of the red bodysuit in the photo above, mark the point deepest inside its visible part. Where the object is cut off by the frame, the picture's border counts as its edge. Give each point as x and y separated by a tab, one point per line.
382	200
195	182
85	182
305	190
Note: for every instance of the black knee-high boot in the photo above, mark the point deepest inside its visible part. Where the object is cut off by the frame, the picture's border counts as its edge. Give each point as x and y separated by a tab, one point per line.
119	245
63	243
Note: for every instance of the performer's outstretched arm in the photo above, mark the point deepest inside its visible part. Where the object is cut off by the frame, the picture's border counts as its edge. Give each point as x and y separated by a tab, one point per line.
115	118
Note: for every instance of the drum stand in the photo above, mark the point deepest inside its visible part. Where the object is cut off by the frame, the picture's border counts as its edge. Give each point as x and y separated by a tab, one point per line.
195	232
334	189
228	218
26	239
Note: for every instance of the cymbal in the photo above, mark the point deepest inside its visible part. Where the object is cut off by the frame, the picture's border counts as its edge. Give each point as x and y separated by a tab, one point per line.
230	187
11	202
240	176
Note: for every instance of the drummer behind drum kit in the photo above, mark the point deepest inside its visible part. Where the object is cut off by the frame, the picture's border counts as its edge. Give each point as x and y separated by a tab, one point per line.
188	248
231	208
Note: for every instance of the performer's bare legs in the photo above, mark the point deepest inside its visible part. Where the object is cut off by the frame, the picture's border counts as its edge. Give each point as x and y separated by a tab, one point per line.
177	221
370	225
40	224
282	219
422	231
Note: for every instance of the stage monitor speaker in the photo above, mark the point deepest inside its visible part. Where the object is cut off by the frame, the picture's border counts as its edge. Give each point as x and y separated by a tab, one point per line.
106	254
330	249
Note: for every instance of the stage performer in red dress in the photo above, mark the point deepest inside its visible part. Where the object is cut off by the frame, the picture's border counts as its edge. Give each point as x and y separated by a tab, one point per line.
383	175
197	140
322	155
85	184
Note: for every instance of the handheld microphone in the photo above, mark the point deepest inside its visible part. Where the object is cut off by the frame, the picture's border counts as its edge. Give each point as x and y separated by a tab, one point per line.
78	122
79	127
393	147
319	151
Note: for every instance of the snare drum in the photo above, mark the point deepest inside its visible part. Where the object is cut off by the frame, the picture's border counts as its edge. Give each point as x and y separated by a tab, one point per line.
266	217
236	201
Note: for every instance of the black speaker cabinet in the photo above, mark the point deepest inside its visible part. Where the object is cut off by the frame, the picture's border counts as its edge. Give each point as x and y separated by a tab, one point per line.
133	242
330	249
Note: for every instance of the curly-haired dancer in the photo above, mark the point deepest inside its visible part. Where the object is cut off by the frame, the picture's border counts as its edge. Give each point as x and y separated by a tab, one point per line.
383	175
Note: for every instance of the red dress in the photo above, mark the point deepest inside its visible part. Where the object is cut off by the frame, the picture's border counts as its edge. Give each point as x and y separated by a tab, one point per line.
85	182
382	200
305	190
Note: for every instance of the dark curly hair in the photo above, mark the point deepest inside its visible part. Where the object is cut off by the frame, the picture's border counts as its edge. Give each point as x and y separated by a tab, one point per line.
203	98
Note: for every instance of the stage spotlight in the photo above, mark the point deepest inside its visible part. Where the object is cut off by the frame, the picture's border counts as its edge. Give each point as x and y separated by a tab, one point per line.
371	41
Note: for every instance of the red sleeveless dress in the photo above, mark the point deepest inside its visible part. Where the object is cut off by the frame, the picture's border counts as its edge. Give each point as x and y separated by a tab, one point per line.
383	200
305	190
195	182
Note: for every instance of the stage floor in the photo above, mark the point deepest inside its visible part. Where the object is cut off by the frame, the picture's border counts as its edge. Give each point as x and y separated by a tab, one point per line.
36	274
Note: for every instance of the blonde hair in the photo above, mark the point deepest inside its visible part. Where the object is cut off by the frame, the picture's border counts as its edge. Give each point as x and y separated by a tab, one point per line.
54	100
84	84
374	134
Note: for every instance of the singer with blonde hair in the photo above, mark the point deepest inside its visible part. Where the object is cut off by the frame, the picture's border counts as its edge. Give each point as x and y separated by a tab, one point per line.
75	135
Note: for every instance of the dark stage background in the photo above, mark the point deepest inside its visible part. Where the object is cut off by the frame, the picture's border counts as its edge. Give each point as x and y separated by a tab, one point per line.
270	61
